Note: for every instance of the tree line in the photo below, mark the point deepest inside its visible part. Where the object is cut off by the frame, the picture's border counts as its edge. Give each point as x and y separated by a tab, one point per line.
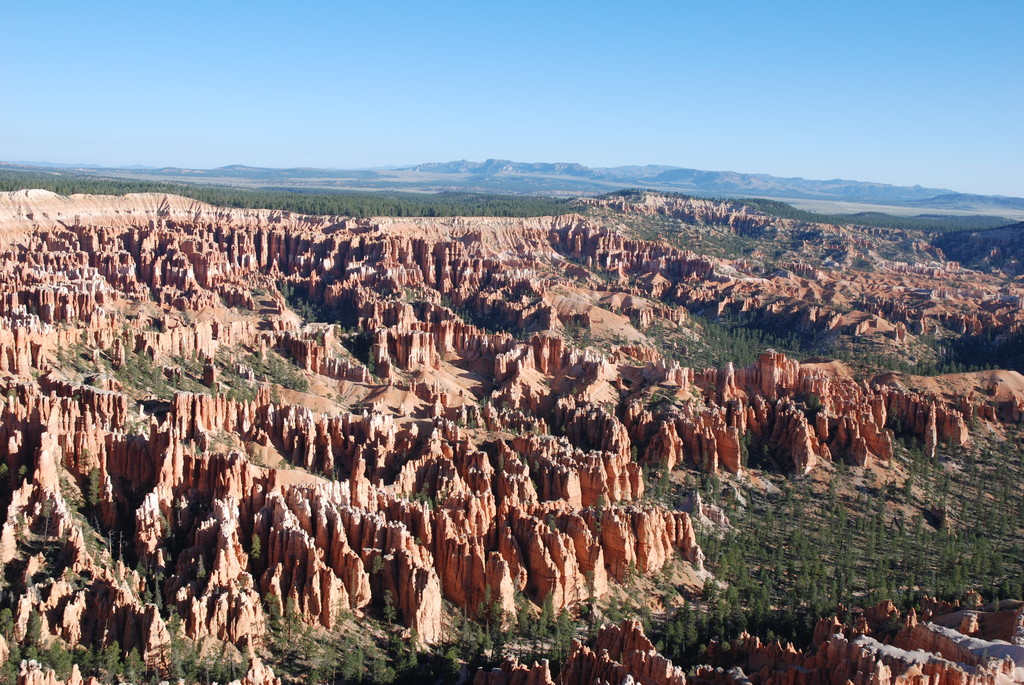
341	203
929	223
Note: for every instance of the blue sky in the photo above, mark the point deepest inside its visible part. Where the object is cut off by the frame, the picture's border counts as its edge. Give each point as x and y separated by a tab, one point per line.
903	92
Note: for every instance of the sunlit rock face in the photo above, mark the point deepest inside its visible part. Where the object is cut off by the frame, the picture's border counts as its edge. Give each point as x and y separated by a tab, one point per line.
232	414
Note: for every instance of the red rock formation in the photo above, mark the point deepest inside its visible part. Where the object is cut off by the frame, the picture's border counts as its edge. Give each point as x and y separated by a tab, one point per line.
918	653
158	388
620	653
515	673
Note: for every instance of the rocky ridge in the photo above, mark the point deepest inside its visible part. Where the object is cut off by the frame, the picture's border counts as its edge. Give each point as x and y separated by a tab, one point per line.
151	358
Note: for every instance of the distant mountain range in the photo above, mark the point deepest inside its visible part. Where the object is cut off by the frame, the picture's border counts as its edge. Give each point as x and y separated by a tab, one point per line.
566	179
967	201
692	180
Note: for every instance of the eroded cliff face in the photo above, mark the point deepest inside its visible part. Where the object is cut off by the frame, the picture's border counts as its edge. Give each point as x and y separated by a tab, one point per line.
868	652
32	673
863	647
620	654
233	502
179	435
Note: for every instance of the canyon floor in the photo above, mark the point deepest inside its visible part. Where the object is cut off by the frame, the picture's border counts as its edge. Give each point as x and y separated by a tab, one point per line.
660	438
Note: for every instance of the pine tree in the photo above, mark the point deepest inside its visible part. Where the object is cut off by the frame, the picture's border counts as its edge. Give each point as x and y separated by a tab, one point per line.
256	549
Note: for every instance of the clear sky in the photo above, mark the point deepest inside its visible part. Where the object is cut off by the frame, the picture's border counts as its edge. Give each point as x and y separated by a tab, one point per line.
897	91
